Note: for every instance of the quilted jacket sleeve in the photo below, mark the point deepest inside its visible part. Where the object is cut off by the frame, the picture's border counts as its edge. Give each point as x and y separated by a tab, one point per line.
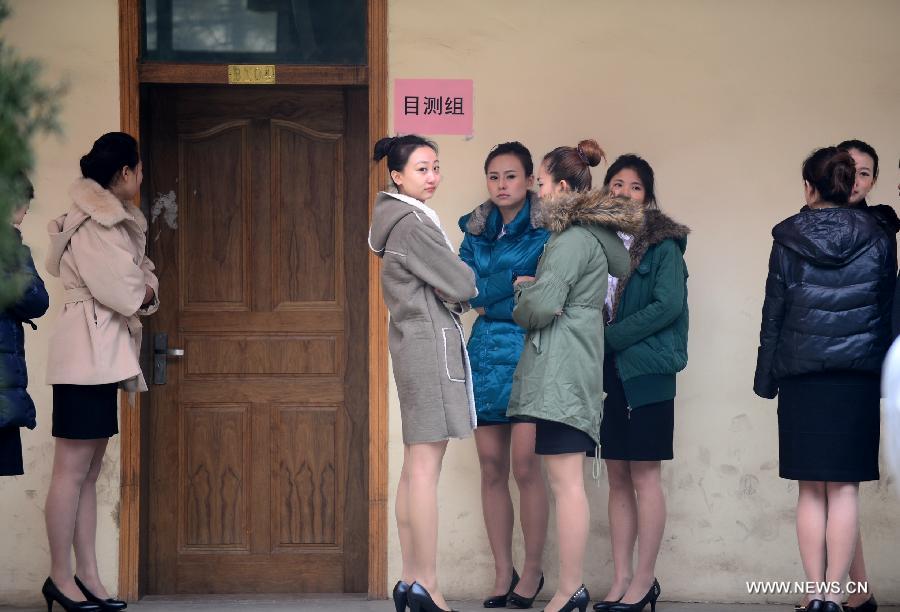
492	288
764	383
34	301
666	304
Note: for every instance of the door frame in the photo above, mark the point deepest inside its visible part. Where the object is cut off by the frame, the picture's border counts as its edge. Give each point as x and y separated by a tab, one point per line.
132	73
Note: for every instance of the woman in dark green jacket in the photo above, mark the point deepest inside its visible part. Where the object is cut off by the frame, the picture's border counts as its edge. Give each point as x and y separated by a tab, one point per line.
558	380
646	344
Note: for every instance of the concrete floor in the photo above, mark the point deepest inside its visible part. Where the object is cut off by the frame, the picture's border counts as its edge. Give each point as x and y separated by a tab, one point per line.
325	603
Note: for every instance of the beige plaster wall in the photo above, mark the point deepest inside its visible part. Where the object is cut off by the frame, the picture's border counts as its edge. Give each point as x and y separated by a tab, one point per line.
725	99
76	41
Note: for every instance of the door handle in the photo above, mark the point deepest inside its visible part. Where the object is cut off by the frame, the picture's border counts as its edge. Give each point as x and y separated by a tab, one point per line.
161	352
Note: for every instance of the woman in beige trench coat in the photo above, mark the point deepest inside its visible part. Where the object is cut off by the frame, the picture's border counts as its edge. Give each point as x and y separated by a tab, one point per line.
97	251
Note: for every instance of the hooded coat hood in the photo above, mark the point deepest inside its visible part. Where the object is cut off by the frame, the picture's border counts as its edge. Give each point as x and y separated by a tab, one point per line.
389	211
829	237
476	222
90	201
588	208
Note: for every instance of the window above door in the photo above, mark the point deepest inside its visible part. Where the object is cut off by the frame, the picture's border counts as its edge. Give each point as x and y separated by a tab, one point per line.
254	31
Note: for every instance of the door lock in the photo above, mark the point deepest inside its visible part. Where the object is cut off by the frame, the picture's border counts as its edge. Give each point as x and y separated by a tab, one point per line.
161	352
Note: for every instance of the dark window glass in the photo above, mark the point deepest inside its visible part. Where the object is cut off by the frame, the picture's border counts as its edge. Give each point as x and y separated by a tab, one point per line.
255	31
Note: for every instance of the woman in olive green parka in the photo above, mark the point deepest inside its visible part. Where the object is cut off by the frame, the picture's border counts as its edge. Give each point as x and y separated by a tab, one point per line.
558	381
558	377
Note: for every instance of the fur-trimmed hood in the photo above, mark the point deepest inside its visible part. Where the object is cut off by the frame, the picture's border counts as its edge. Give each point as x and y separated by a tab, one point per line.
475	222
595	207
657	227
89	201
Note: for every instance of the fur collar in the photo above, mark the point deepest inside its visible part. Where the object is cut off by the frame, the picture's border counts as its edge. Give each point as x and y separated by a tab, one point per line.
595	207
101	205
657	227
479	217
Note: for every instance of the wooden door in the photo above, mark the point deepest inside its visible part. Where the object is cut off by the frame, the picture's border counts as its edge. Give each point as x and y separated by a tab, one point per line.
257	445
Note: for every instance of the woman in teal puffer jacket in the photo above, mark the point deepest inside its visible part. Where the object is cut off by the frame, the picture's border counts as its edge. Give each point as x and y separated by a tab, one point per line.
503	240
646	344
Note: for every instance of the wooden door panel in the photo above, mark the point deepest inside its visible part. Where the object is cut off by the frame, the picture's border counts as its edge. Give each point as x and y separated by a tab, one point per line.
215	195
307	467
267	488
208	356
307	205
214	455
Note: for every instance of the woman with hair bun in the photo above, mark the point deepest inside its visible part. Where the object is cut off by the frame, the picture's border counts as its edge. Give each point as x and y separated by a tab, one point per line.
426	287
559	380
97	251
825	331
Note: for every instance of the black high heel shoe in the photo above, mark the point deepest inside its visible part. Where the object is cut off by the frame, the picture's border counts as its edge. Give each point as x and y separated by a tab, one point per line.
106	605
499	601
650	598
514	600
830	606
870	605
579	600
51	594
400	594
420	600
605	605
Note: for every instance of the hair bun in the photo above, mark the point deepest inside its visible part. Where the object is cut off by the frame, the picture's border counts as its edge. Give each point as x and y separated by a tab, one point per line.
590	152
840	170
383	147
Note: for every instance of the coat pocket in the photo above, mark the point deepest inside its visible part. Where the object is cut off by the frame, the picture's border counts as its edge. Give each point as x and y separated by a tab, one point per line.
453	354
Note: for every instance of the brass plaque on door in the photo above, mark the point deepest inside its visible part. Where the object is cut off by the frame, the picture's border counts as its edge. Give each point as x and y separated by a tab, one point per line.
251	74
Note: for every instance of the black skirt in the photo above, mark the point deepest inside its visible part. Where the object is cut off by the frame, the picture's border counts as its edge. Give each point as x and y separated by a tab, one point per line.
85	412
11	452
829	427
553	438
644	433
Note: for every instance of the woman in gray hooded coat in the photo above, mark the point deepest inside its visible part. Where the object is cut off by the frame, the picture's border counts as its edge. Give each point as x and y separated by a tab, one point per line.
426	286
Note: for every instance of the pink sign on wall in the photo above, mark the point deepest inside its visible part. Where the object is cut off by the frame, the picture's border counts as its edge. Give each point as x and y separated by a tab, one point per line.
433	106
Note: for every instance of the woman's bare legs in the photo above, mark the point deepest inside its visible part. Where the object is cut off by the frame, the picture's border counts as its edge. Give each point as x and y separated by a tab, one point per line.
72	463
493	443
566	474
841	532
86	527
424	469
651	523
623	522
534	505
811	520
858	574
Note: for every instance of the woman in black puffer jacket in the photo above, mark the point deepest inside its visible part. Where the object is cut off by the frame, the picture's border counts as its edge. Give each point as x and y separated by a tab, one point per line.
825	331
24	298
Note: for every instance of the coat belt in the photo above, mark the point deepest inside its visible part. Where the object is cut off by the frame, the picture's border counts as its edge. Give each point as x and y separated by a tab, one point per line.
83	294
